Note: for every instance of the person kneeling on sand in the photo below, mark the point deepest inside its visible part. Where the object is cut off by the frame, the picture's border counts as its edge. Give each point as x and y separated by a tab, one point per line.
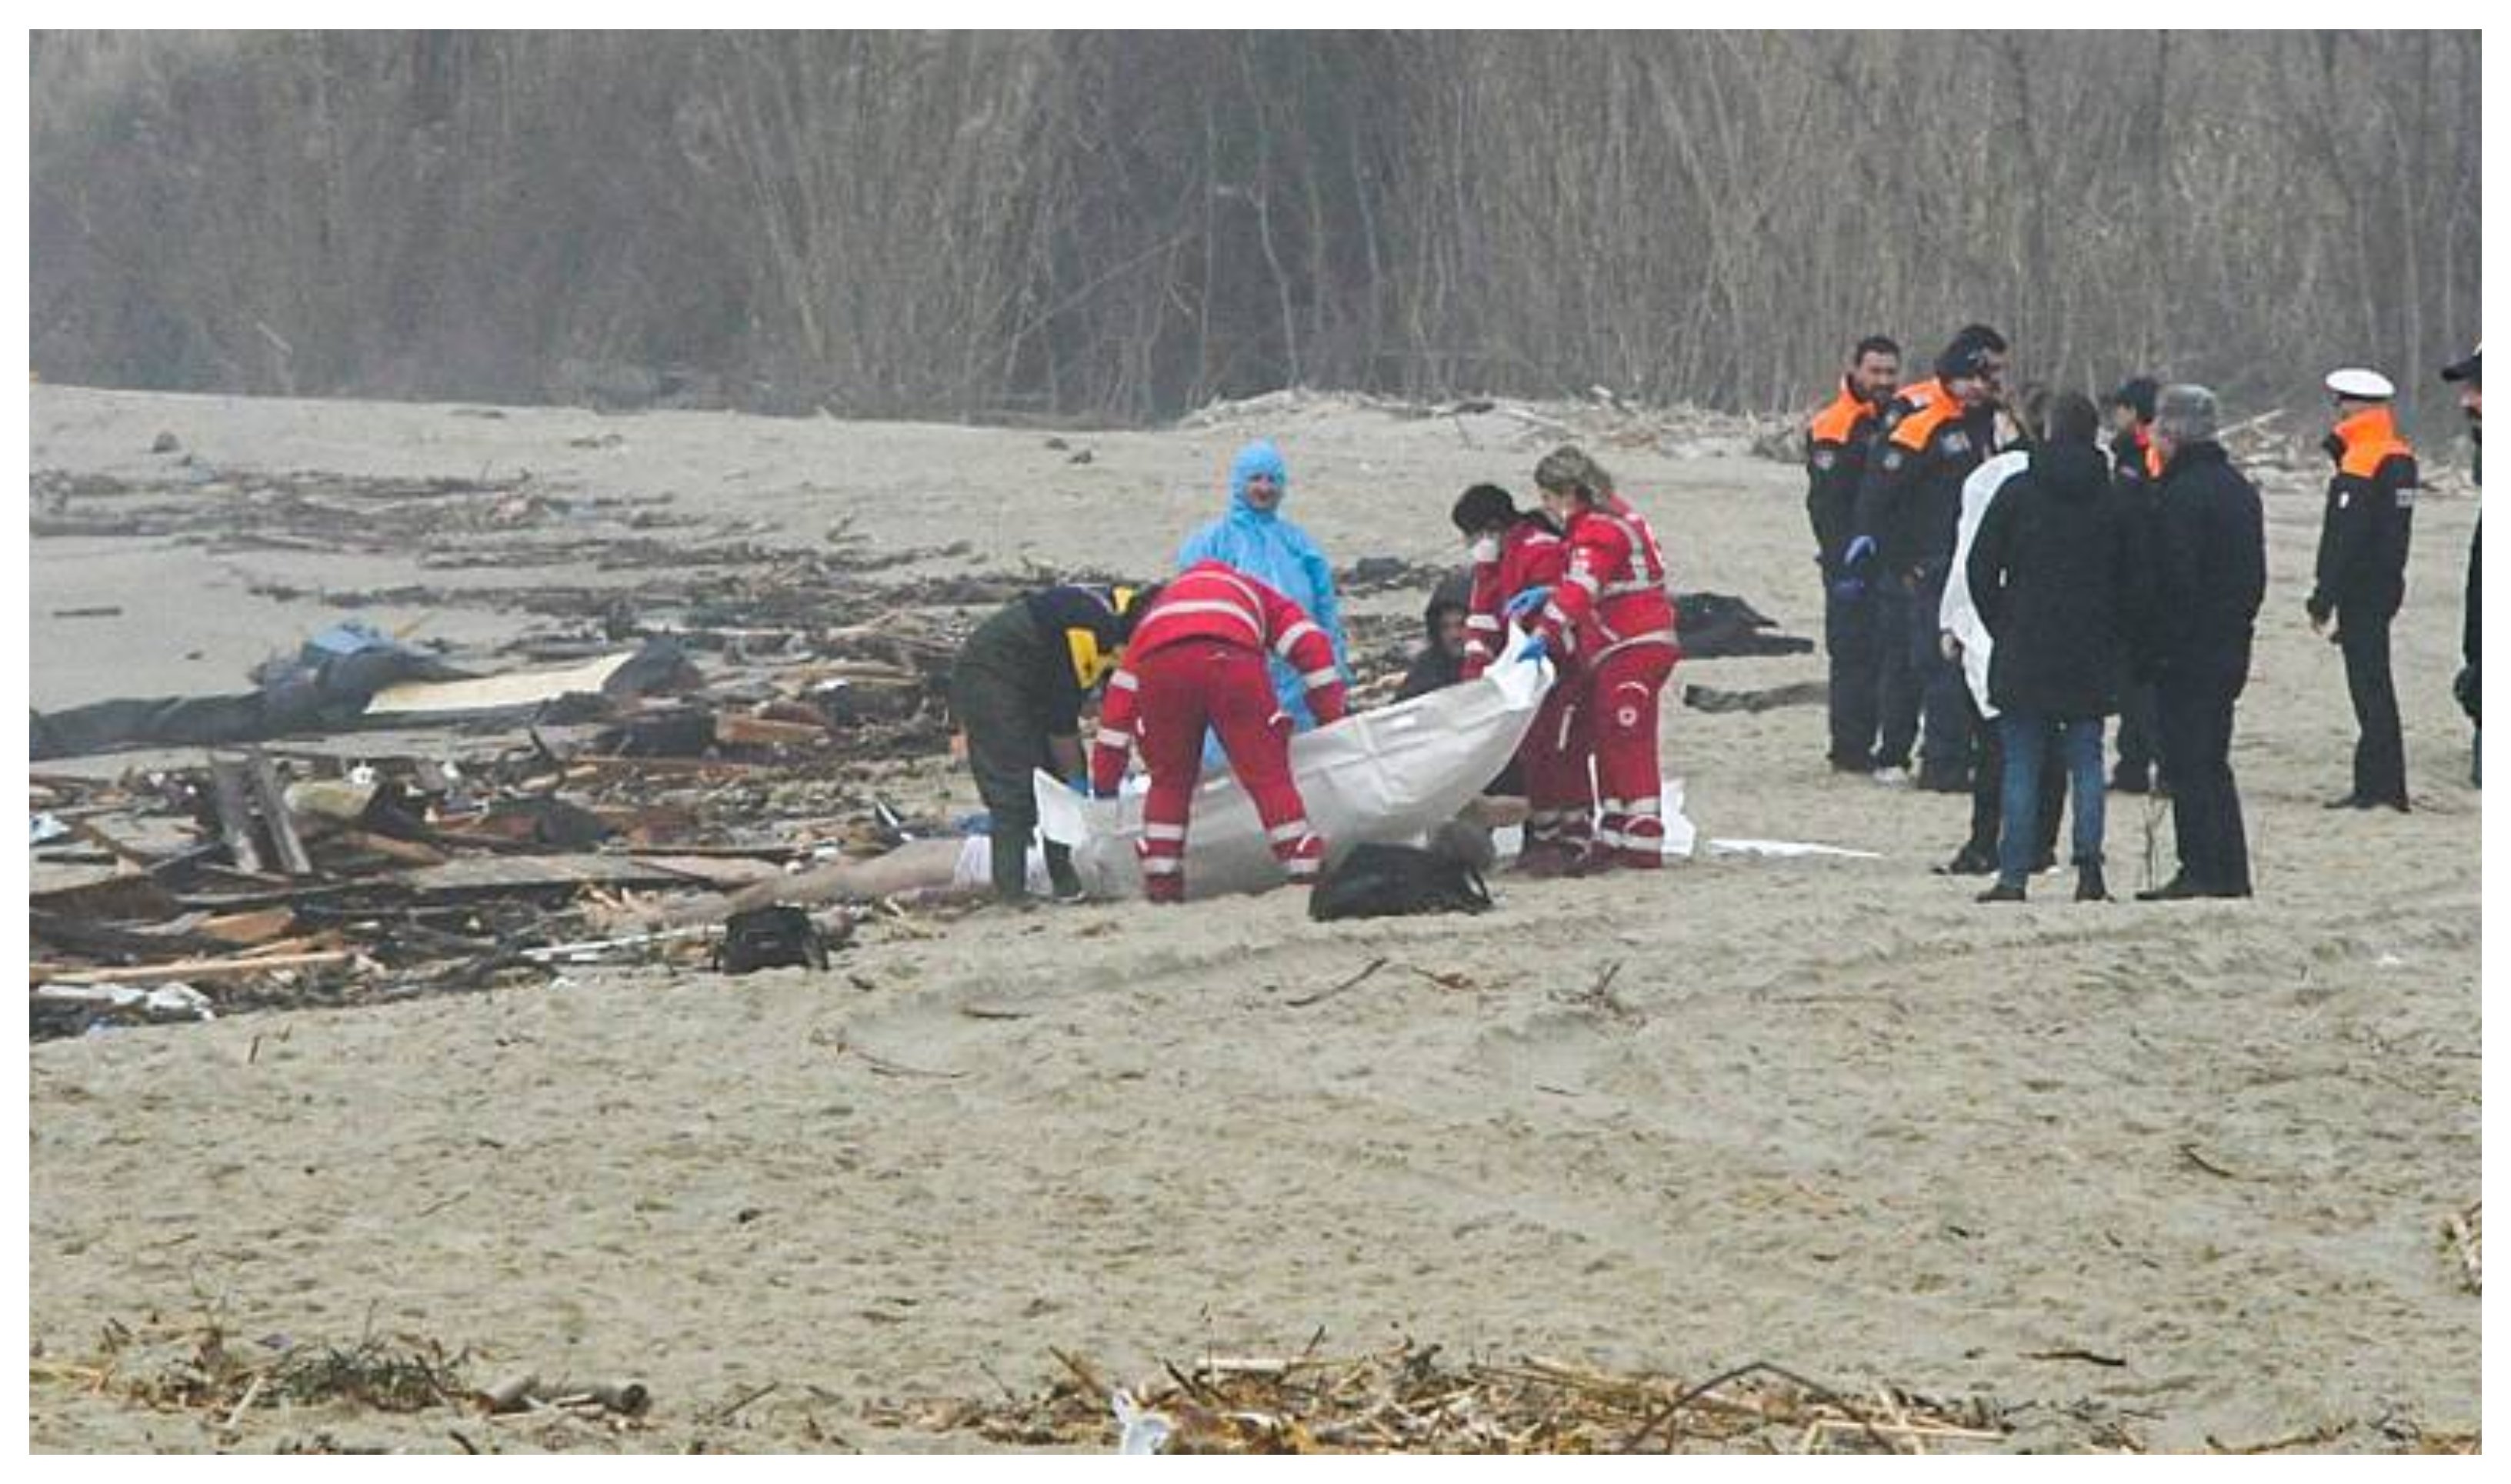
1199	659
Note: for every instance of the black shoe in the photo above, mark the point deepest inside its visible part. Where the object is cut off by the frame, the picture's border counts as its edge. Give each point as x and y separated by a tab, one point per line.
1863	767
2089	886
2349	801
2000	892
2127	780
1968	862
2177	889
1942	780
2045	861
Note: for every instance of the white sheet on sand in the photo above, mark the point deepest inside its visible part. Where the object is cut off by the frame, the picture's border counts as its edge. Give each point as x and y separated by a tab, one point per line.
1387	777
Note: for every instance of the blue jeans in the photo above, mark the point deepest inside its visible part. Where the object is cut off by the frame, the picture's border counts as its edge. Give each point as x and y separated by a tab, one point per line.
2026	749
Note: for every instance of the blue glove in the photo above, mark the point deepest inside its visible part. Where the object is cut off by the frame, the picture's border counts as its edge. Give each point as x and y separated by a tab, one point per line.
1536	648
1529	601
1859	552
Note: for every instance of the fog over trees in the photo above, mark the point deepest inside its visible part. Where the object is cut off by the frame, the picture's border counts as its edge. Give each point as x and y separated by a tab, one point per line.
1118	227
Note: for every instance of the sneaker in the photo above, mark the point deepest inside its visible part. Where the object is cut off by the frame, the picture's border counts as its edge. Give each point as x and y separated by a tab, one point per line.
1892	777
2000	892
2177	889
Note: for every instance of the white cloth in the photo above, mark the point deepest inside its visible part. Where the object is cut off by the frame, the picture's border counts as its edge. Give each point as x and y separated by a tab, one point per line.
975	867
1958	617
1389	776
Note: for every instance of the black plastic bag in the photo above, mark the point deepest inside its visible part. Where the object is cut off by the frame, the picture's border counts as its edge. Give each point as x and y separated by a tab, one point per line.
774	937
1396	882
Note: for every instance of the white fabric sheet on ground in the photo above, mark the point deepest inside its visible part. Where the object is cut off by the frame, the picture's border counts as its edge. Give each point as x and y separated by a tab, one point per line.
1680	838
1385	776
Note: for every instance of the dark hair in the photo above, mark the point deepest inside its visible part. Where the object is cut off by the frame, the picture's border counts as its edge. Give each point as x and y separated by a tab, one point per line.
1875	345
1985	336
1483	507
2072	418
2135	392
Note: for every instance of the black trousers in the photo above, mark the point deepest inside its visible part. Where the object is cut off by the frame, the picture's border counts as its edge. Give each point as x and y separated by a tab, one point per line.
992	696
1896	677
1848	633
2195	709
2140	729
1944	694
2379	750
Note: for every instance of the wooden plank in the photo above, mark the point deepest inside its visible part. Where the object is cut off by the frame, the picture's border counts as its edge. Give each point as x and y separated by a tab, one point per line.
284	838
227	787
188	968
735	729
525	873
247	928
495	692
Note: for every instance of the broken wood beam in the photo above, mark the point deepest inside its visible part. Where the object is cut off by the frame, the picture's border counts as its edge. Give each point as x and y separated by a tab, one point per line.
275	817
188	968
227	790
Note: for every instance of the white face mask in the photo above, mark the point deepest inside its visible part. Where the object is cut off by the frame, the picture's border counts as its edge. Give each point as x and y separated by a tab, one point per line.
1485	549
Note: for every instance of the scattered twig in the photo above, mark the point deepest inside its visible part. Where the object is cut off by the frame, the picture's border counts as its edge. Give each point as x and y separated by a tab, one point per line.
1329	992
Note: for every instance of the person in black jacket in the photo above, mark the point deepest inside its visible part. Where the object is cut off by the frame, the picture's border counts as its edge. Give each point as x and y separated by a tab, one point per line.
1017	690
1908	513
2139	767
2469	376
1440	660
2362	574
1835	448
2055	572
2209	575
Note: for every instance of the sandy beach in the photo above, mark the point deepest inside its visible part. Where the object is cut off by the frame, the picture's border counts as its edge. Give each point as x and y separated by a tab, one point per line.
2164	1175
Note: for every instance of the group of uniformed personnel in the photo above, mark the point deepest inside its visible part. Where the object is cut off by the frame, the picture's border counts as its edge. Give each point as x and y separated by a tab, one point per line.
1887	465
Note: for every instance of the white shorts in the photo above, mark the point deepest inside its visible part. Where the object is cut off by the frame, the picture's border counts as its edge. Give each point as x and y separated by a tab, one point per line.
975	870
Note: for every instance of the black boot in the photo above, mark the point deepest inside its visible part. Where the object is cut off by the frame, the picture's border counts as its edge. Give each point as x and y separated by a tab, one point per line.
2089	886
1010	863
1059	870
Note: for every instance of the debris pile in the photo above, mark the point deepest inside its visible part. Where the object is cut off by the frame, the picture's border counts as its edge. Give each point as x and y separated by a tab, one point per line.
200	1365
1407	1399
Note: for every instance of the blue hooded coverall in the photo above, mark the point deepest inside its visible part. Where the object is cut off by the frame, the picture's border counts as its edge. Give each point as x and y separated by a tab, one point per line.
1275	550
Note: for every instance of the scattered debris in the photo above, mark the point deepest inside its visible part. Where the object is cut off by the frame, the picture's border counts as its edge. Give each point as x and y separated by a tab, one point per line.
1407	1400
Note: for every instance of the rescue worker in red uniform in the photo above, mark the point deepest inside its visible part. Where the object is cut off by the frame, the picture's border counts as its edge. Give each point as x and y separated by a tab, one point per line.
1610	619
1835	448
1200	660
1519	551
2362	574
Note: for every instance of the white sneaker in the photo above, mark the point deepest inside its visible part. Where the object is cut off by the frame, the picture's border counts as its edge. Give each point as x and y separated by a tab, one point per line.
1892	777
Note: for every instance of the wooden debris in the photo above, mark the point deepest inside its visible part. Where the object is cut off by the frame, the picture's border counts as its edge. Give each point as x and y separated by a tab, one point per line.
1407	1400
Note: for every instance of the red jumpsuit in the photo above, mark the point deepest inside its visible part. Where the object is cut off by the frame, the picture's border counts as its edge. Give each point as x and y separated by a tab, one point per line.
1611	616
1197	661
1560	796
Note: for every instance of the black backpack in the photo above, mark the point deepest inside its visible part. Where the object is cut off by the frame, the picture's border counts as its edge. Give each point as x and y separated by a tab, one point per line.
774	937
1396	882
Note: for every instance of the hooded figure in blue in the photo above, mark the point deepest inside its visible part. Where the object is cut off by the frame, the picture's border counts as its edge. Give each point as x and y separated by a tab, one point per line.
1254	540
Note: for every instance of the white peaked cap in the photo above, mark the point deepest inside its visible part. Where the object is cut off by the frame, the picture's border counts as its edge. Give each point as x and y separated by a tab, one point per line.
2363	385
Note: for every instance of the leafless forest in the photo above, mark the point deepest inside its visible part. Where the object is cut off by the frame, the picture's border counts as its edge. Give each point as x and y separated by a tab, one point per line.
1120	226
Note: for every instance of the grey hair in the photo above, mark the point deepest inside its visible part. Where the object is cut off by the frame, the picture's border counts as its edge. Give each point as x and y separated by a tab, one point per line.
2185	413
1568	469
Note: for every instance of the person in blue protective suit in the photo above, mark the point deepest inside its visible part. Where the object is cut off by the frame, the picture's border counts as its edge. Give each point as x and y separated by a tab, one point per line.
1255	538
